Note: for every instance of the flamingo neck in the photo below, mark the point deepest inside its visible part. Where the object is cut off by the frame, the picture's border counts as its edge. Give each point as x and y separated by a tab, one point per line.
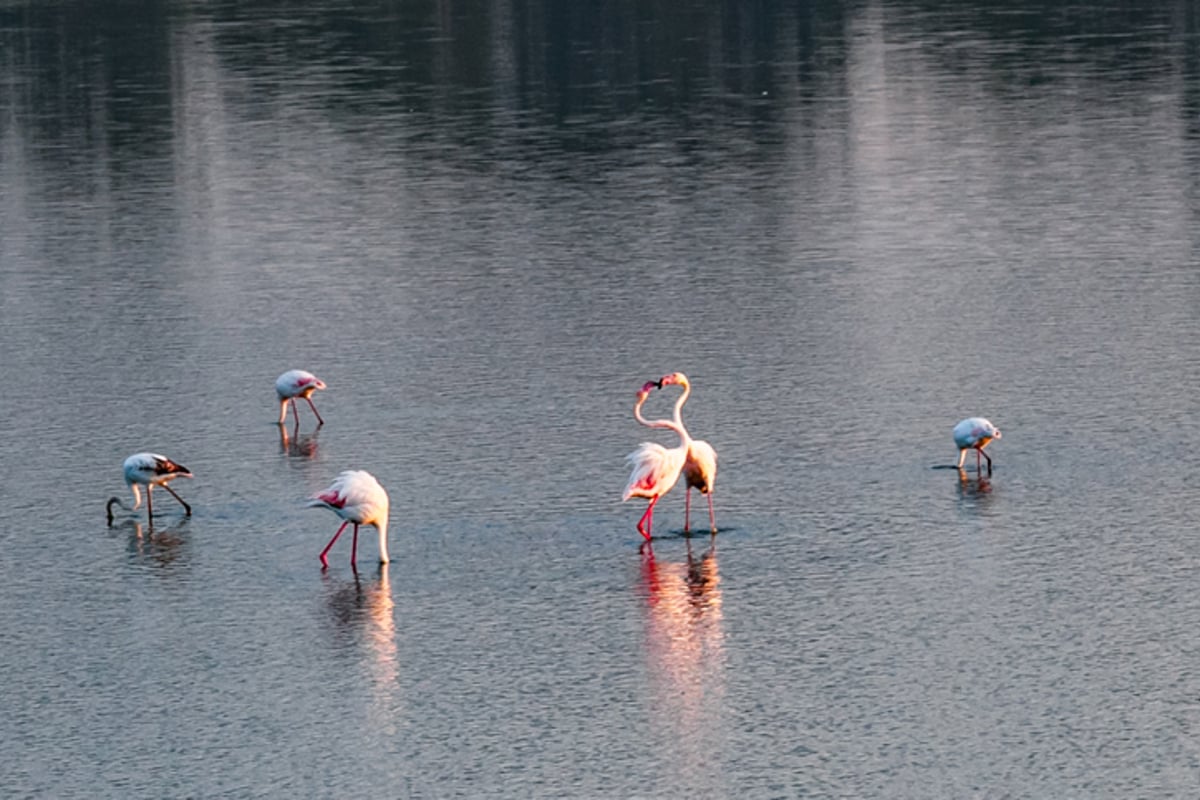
382	526
678	421
674	425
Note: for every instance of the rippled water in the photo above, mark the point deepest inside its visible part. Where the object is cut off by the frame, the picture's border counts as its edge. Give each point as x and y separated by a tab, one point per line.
850	224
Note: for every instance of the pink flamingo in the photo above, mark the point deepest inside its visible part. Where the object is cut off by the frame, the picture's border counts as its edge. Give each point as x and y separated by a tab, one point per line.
357	498
655	469
149	470
975	433
700	465
297	383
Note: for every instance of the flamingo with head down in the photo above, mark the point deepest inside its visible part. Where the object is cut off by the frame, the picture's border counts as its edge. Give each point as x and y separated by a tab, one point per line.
149	470
297	383
358	499
975	433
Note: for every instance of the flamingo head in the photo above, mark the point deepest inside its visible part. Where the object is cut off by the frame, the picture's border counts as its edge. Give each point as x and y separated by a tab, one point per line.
996	433
675	378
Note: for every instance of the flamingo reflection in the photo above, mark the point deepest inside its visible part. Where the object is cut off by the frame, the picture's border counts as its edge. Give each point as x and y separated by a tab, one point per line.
365	613
685	651
297	445
164	545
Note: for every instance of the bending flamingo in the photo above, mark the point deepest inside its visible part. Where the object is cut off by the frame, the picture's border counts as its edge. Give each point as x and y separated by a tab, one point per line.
357	498
700	466
655	470
149	470
297	383
976	433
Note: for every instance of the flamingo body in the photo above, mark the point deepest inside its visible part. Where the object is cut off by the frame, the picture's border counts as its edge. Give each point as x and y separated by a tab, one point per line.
975	433
358	499
150	470
297	383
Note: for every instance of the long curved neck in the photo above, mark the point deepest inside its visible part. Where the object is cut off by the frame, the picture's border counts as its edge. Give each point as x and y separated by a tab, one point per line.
687	390
675	425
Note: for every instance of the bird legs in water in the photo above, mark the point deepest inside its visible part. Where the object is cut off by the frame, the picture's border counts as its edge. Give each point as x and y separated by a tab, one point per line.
647	521
296	411
962	455
353	547
187	510
687	511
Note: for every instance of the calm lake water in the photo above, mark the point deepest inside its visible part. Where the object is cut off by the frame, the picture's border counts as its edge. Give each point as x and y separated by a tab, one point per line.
485	225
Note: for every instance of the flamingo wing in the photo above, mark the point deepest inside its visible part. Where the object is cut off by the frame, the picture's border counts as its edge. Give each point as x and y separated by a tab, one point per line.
655	470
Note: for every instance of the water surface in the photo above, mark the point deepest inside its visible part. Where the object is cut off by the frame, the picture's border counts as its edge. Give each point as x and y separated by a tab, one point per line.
851	224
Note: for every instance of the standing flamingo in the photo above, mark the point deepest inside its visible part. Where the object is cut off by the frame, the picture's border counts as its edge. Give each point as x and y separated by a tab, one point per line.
700	466
655	469
149	470
297	383
357	498
977	433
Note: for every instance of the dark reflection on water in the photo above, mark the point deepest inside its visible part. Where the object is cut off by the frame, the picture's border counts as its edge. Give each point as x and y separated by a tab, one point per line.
850	223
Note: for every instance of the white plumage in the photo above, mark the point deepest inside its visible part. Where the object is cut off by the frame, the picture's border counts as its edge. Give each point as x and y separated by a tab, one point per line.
975	433
149	470
297	383
357	498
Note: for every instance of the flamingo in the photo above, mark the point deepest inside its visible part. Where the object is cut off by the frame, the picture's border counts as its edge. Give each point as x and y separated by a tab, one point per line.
297	383
700	466
357	498
977	433
149	470
655	468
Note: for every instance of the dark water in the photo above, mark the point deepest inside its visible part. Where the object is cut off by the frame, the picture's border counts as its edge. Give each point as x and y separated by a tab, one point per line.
485	225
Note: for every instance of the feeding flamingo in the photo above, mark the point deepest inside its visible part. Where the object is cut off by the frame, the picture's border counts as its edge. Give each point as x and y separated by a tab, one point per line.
700	466
149	470
297	383
655	469
977	433
357	498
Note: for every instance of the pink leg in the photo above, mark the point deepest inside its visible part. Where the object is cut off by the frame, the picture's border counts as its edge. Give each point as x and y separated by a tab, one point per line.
354	546
314	408
712	518
295	411
325	561
647	520
687	511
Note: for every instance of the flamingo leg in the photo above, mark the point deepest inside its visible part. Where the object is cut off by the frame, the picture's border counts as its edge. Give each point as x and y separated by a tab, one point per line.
325	561
354	546
186	508
295	411
647	521
712	518
687	511
989	460
314	408
150	503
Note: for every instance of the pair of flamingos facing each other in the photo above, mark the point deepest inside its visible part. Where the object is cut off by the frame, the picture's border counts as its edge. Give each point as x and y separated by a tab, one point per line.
354	495
656	469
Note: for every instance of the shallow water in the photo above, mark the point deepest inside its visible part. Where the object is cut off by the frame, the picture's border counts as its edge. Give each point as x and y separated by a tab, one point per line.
851	226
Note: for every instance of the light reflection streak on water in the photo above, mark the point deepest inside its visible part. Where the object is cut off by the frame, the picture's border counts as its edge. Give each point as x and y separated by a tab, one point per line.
364	613
685	652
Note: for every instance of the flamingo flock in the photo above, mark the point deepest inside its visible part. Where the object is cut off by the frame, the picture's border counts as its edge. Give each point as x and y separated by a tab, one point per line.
355	495
358	499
